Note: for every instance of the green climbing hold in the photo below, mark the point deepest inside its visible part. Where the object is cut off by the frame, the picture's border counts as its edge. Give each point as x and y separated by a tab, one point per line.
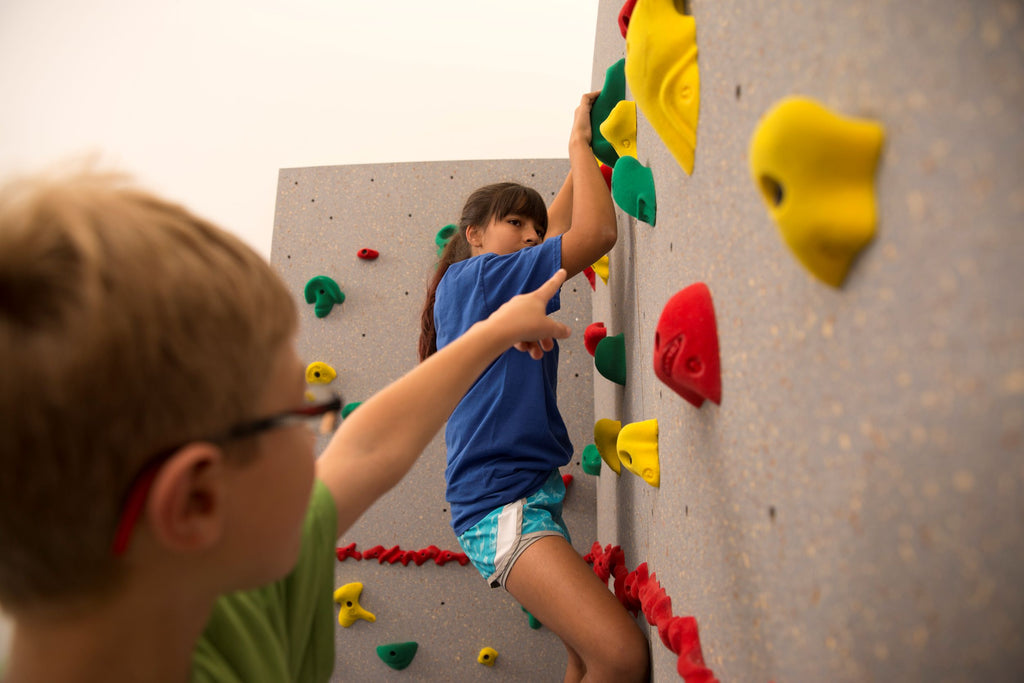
633	190
398	655
610	357
613	92
444	236
349	407
534	624
592	460
325	292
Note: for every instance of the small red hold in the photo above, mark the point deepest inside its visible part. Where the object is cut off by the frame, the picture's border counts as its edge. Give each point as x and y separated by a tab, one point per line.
389	554
566	480
606	171
407	556
431	551
373	552
461	558
594	333
420	556
367	254
444	557
347	552
591	277
686	346
624	16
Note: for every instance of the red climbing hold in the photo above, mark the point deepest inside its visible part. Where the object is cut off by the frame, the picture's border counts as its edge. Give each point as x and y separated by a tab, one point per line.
624	15
566	480
367	254
606	171
373	552
594	333
390	553
591	277
686	346
347	552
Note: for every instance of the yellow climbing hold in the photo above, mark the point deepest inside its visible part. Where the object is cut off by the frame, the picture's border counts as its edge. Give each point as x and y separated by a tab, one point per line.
637	447
487	656
620	128
601	268
348	597
661	70
606	432
320	373
815	170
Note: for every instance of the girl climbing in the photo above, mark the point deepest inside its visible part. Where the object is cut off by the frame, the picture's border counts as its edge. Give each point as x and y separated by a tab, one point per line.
506	439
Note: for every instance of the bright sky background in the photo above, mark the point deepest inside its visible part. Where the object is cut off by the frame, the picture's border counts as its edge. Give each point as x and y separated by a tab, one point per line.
204	100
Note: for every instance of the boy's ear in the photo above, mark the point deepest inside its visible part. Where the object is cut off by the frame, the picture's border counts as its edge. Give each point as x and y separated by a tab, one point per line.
185	508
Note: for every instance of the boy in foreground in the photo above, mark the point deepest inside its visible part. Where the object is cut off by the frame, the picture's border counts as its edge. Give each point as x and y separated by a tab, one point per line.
162	517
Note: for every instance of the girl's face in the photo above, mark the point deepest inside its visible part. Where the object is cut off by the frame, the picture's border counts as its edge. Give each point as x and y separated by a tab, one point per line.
504	235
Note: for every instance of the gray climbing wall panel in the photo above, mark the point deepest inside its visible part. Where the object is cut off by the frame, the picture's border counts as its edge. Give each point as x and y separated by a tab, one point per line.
854	510
324	217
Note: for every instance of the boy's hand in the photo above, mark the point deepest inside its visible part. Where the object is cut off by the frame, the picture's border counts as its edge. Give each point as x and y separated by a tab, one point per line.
581	130
525	318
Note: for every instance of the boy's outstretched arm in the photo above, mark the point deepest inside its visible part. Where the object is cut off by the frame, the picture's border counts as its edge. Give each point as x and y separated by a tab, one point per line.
378	443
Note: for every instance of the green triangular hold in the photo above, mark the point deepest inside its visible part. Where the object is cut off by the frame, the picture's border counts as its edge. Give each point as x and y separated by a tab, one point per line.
534	624
613	92
349	407
610	356
633	190
398	655
592	460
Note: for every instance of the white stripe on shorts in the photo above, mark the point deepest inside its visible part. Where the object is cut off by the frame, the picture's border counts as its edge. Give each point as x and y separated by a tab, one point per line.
510	525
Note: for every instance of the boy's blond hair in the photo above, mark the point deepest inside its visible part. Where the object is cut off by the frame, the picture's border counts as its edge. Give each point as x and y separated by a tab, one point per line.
127	325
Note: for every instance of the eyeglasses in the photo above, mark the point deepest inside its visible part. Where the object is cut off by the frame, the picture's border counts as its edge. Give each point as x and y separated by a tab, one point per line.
321	418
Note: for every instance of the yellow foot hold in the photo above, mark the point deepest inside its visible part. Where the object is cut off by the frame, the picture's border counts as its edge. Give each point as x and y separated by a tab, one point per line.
620	128
601	268
637	447
815	170
605	434
348	597
661	70
487	656
320	373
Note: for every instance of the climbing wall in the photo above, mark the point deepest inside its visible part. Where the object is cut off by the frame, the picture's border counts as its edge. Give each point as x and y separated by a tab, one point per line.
853	510
325	216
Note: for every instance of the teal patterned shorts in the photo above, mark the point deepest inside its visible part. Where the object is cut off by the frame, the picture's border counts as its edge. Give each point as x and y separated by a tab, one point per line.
495	542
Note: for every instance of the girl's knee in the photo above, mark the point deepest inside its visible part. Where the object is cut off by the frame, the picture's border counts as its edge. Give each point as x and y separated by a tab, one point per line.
627	658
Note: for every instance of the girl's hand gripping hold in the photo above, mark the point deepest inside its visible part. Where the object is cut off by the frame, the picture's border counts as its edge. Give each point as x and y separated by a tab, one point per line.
525	319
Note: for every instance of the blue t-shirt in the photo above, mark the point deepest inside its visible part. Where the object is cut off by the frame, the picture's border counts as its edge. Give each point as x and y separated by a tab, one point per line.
506	435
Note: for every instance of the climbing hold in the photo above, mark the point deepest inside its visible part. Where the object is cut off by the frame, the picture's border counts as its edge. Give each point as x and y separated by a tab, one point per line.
606	171
320	373
487	656
324	292
619	129
309	396
637	448
610	358
594	333
601	268
661	69
534	623
343	553
613	92
398	655
633	190
367	254
686	346
589	273
815	171
348	597
567	480
349	407
606	434
591	460
624	16
444	236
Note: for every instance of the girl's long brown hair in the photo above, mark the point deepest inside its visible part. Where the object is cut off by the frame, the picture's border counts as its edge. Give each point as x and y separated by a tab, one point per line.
497	200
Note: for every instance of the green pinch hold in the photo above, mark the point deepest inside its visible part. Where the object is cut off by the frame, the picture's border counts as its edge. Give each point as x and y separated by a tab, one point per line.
633	190
610	358
592	460
349	407
444	236
613	92
325	292
534	622
398	655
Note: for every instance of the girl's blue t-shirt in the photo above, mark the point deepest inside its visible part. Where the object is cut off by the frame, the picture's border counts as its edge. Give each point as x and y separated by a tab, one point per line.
506	435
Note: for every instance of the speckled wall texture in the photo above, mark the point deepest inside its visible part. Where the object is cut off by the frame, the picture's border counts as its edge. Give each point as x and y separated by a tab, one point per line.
854	509
324	217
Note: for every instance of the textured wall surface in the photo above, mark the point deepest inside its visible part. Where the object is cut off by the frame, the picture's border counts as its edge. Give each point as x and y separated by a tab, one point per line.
854	509
324	217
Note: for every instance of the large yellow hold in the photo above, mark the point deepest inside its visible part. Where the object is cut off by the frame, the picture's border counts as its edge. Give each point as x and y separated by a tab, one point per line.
815	171
637	448
661	70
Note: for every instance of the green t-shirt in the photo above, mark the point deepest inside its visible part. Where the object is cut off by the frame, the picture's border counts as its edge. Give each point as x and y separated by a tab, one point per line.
284	631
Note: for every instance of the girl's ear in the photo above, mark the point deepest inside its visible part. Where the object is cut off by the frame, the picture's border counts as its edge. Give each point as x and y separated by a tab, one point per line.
473	234
185	509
